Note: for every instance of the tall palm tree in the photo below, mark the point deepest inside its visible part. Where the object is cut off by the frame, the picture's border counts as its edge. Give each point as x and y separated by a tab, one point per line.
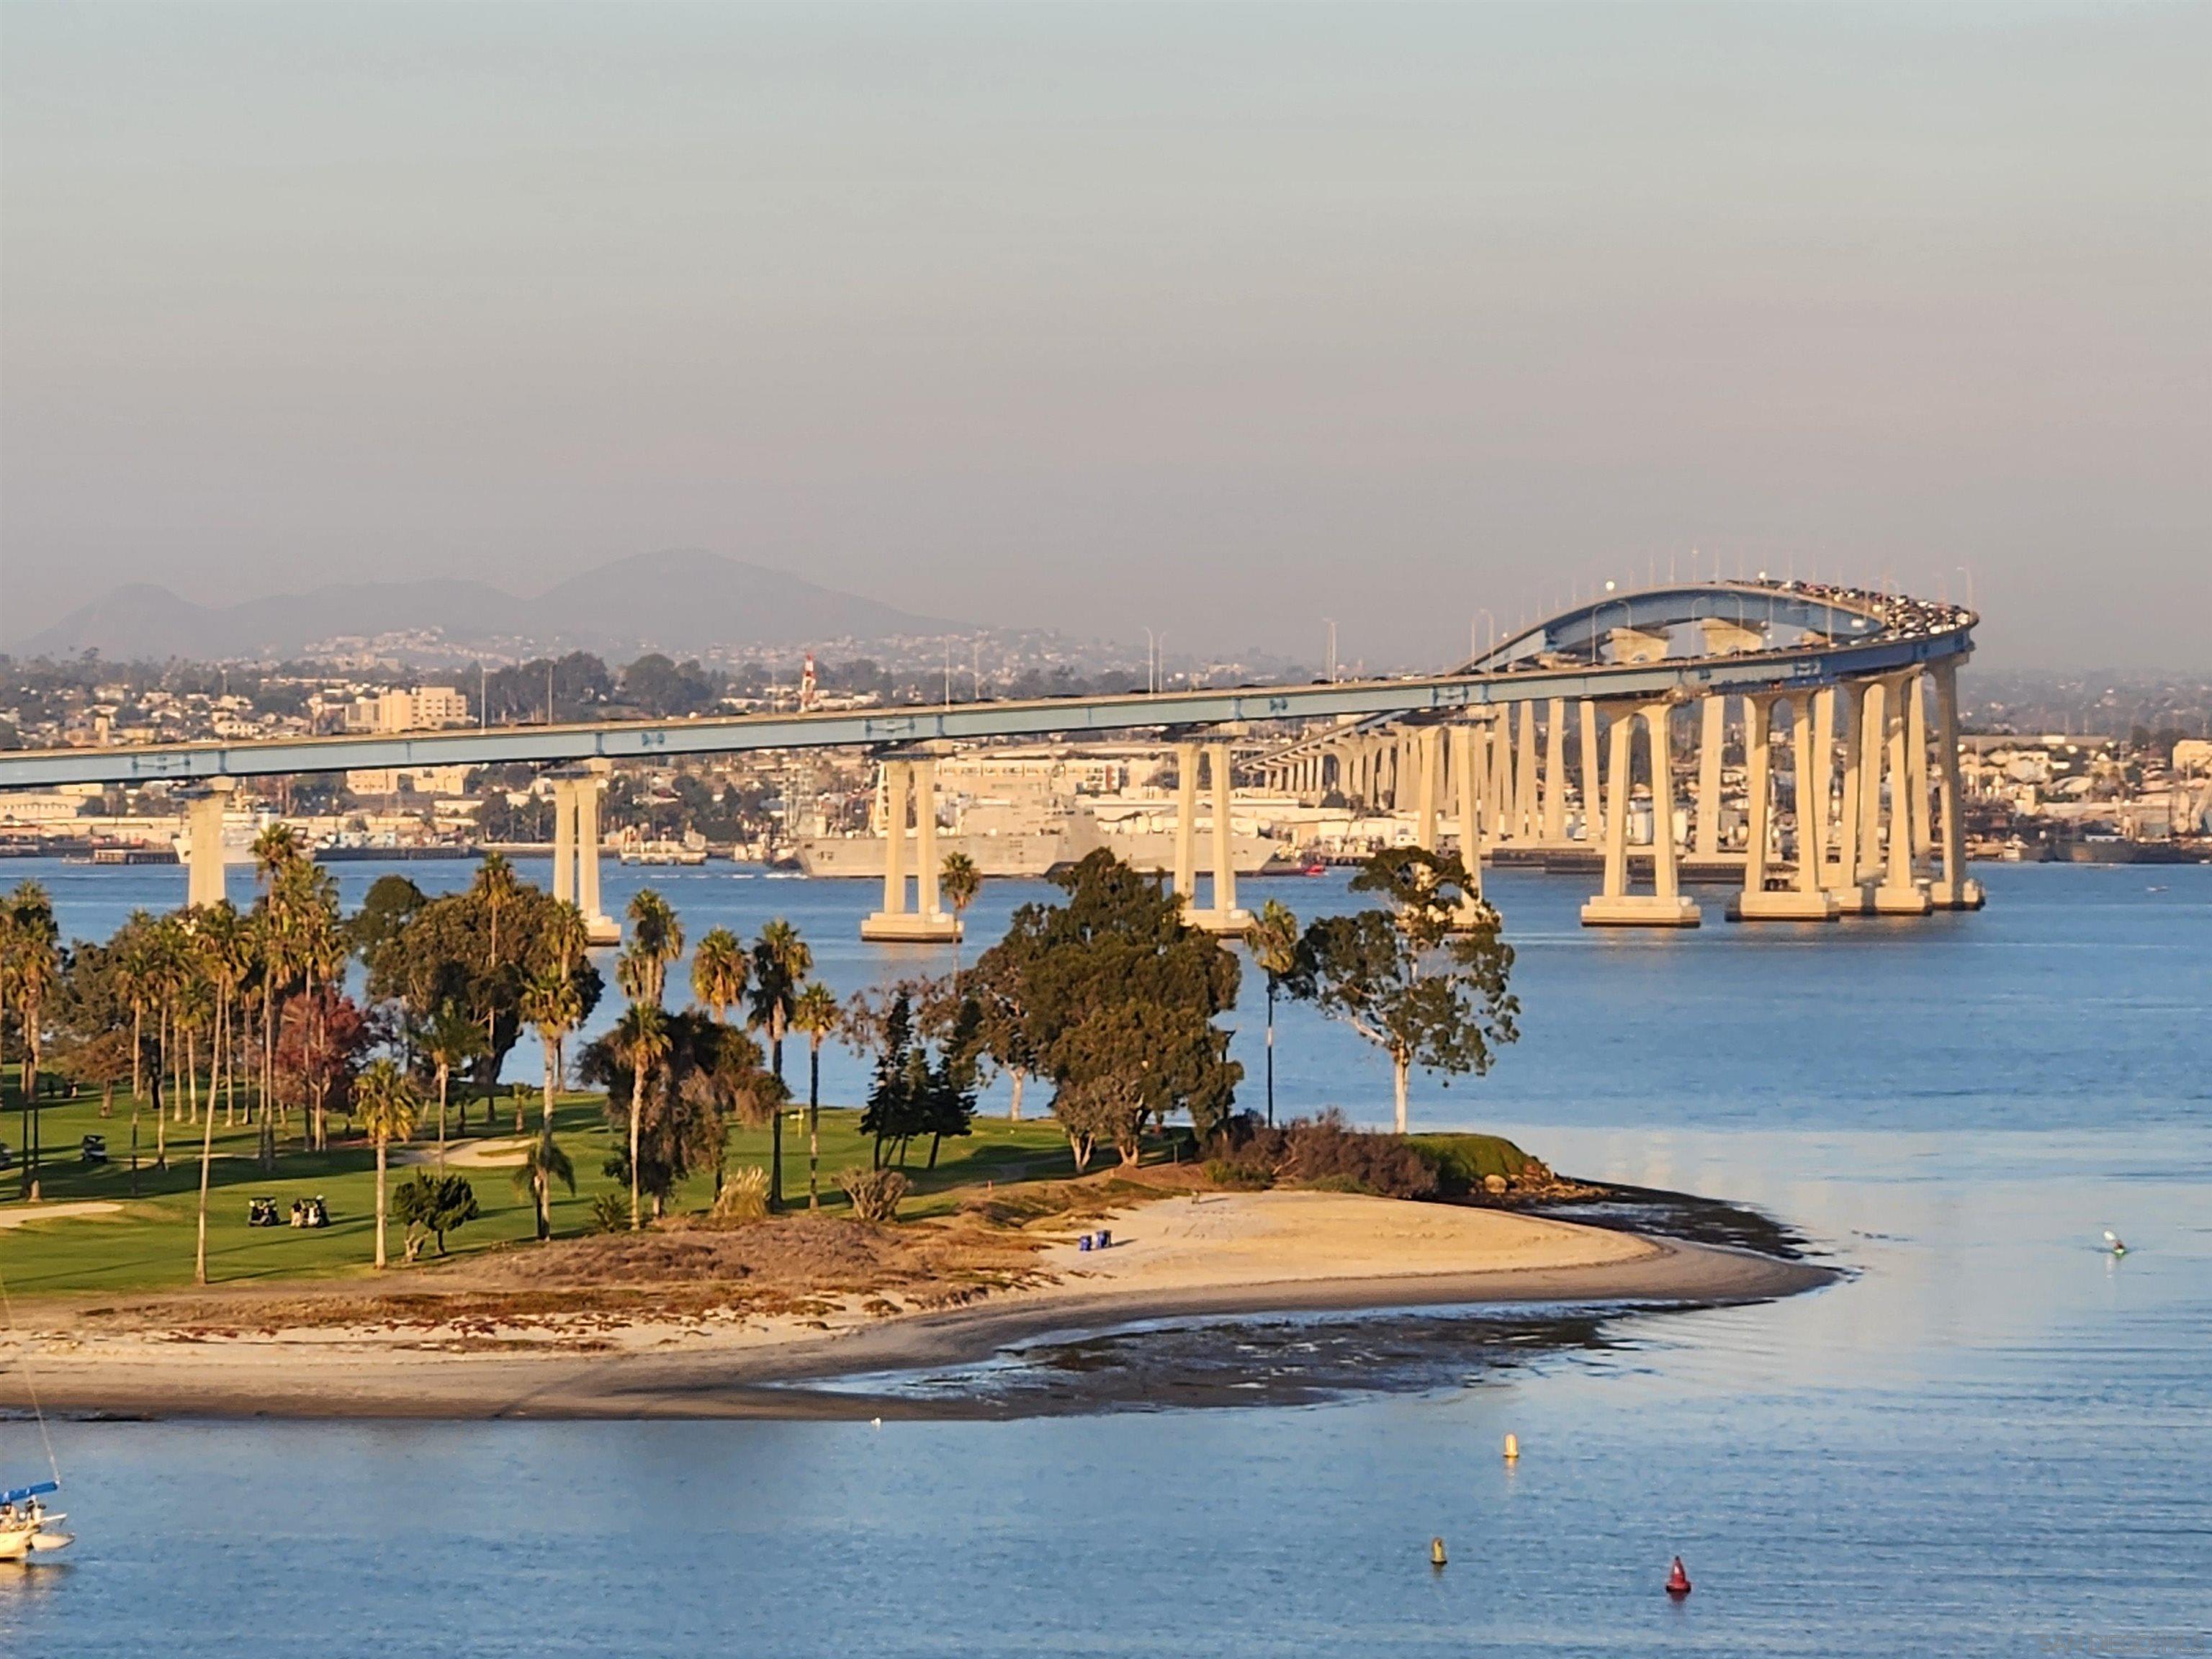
552	1004
226	949
1274	942
656	939
816	1012
958	881
275	849
33	965
386	1098
447	1039
543	1165
719	969
497	890
781	962
641	1038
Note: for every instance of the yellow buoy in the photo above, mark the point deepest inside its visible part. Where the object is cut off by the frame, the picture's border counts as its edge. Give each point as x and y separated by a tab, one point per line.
1436	1552
1512	1448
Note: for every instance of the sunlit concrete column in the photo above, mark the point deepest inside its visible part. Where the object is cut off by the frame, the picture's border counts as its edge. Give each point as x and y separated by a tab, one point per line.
1666	906
1466	779
564	840
1953	889
1898	895
1915	769
1429	746
1712	735
599	929
1658	723
1221	915
204	885
1806	901
1528	814
1555	770
1874	701
1502	818
894	827
1823	759
1186	843
925	840
1593	767
1843	881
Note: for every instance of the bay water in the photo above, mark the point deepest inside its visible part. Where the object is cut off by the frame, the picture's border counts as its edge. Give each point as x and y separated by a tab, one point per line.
1989	1438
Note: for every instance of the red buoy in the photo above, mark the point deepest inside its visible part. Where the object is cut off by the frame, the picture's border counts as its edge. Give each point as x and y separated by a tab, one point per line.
1678	1580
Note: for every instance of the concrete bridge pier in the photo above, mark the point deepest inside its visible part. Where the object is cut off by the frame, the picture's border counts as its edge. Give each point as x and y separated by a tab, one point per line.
1807	900
576	852
1222	915
1898	895
1466	782
204	868
1666	905
1554	825
1845	875
910	786
1593	764
1953	889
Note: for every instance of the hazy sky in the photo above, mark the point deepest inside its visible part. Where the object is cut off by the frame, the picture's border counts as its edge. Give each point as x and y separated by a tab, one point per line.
1221	321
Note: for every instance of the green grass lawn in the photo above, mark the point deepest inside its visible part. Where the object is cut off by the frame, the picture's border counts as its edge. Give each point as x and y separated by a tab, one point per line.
148	1243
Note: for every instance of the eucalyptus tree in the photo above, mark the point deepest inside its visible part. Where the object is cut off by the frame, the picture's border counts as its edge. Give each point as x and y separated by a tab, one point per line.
1424	977
781	962
386	1098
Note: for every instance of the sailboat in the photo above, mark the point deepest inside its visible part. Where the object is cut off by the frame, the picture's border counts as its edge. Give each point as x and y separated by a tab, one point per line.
26	1526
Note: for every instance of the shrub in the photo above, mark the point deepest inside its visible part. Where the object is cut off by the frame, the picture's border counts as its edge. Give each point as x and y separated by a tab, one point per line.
610	1213
875	1192
744	1196
432	1206
1464	1162
1239	1175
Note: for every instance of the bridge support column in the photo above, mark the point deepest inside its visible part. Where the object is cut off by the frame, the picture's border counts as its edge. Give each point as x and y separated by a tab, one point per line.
1222	917
1593	767
1527	814
204	885
1874	701
1666	906
1916	746
910	785
1467	781
1898	894
1428	788
1807	901
1954	890
1845	880
1185	830
1555	770
1503	819
576	854
1712	737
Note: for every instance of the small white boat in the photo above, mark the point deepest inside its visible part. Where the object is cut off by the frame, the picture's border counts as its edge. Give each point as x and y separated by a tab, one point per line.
27	1527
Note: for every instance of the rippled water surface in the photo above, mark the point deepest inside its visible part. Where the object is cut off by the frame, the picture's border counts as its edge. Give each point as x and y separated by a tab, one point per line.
1989	1439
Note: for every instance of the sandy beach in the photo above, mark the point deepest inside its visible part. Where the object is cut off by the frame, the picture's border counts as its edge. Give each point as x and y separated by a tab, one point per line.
226	1354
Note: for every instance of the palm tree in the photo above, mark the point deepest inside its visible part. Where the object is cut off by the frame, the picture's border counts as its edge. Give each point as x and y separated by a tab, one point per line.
497	889
543	1165
226	948
30	967
552	1004
275	849
719	968
816	1012
387	1100
958	881
656	939
641	1038
782	961
449	1038
1274	942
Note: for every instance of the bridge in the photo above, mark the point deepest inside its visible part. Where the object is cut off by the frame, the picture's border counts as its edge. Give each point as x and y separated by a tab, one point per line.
1845	671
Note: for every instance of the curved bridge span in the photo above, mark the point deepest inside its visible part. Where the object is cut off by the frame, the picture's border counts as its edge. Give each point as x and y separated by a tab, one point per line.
1837	668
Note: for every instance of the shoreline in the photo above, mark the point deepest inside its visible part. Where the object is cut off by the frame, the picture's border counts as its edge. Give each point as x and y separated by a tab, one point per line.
1180	1263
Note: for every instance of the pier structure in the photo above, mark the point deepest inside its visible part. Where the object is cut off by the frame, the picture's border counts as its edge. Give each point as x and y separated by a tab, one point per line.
1220	914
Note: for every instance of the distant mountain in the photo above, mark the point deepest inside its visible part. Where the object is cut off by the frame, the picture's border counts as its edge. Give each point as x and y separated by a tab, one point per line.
684	602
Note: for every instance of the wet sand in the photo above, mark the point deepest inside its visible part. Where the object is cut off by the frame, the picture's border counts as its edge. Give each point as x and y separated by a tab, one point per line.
1225	1254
